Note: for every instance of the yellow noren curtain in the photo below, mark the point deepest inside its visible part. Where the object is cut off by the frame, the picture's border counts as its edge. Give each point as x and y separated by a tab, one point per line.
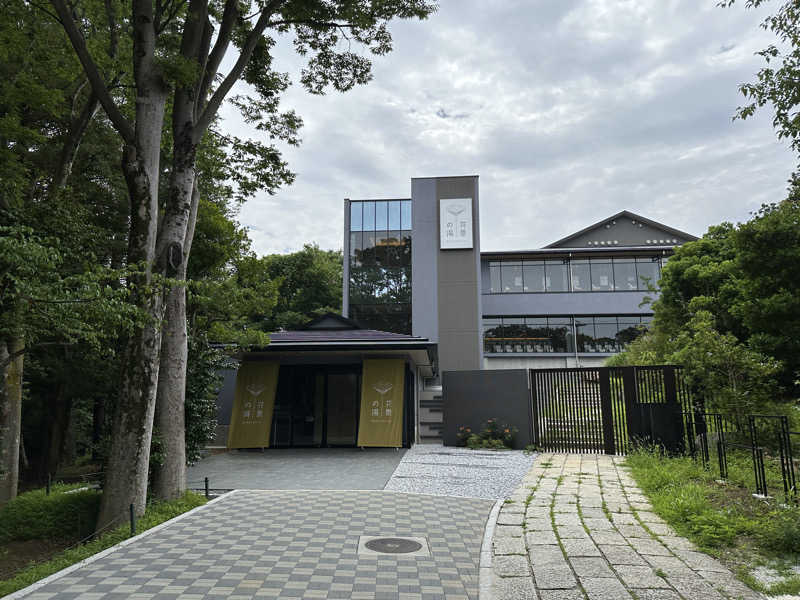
382	386
253	403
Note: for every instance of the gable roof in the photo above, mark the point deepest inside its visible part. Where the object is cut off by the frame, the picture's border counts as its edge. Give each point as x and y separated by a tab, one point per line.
625	214
330	321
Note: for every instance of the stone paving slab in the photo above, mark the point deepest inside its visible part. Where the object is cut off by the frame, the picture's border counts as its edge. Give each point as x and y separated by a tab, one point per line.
590	534
294	544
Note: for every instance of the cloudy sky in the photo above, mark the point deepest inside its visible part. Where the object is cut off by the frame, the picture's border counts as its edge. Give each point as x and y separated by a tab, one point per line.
568	110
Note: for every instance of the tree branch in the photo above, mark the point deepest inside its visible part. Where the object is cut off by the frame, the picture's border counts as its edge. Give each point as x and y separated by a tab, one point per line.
229	15
210	110
99	88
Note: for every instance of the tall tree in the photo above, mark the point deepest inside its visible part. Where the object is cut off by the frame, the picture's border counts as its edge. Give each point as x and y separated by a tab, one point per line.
179	48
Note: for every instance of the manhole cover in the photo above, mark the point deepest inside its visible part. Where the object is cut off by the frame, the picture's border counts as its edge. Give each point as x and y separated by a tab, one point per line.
387	544
393	545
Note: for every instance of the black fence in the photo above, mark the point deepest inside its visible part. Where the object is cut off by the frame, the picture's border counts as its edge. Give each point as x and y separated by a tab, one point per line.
766	439
608	409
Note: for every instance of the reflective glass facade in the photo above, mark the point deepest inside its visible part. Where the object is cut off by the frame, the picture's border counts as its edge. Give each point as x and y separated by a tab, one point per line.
539	334
575	275
380	264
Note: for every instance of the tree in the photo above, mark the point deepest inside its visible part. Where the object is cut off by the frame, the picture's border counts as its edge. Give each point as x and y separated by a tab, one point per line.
178	49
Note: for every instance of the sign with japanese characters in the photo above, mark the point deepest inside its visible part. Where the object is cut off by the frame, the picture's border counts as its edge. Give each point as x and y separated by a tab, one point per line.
253	403
381	422
455	223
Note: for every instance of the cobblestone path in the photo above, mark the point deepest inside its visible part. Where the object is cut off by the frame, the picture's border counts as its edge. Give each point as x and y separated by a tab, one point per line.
578	527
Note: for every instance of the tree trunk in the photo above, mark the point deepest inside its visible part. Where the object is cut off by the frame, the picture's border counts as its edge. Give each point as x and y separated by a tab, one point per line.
132	425
10	415
58	422
170	477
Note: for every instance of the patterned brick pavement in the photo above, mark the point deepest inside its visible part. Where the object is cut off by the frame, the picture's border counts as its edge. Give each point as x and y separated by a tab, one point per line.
293	544
578	528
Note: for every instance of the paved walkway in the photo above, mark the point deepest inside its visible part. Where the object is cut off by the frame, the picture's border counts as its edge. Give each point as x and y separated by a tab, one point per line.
297	469
578	528
293	544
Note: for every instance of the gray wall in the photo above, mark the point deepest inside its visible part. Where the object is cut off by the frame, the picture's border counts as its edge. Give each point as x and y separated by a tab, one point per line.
424	267
567	303
346	261
472	397
625	233
459	284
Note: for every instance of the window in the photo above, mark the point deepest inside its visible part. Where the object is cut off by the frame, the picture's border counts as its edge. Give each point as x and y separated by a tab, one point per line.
533	275
602	334
496	285
356	212
381	216
648	272
394	215
581	277
602	276
511	273
625	274
576	275
557	276
368	221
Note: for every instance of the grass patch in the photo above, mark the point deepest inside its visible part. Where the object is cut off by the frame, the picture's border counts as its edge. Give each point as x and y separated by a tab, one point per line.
722	518
156	513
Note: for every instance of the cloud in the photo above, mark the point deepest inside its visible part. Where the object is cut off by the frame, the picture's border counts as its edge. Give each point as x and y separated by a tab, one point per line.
569	111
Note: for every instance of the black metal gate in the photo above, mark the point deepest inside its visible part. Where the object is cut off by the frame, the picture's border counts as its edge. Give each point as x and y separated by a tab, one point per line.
607	409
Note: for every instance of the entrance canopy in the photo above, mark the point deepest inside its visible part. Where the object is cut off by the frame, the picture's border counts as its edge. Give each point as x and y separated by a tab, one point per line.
331	384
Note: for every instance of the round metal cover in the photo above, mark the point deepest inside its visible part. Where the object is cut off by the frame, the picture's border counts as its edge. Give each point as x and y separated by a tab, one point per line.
393	545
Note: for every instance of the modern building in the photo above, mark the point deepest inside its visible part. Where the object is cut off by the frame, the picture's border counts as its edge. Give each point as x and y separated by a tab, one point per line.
415	266
421	298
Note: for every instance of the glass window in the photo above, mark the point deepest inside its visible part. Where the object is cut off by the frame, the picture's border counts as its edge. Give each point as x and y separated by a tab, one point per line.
538	335
405	250
556	276
492	330
394	215
394	249
602	276
405	215
581	280
625	274
629	330
605	333
562	337
648	272
368	222
355	247
494	277
355	216
584	329
515	333
512	276
381	216
533	275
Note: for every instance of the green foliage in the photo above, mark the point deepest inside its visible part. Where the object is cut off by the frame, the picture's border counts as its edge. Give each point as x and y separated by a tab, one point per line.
202	385
781	533
729	311
493	436
64	514
155	514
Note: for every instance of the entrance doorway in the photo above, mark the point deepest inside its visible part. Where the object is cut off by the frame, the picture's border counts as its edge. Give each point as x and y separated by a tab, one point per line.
316	407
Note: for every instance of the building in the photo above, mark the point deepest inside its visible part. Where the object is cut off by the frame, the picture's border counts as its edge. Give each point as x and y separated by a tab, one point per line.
421	298
415	266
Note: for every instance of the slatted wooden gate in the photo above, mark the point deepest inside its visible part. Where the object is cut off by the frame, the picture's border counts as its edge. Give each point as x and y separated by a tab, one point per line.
607	409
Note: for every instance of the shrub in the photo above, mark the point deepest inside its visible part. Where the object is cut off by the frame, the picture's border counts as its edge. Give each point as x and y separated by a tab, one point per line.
493	436
61	515
782	531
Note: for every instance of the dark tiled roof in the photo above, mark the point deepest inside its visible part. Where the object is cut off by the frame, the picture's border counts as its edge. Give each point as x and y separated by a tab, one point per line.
341	335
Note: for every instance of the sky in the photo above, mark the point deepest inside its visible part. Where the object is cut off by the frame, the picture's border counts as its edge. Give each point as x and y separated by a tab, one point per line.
568	110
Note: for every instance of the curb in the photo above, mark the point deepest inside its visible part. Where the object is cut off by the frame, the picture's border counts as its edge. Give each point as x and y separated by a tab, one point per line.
95	557
485	572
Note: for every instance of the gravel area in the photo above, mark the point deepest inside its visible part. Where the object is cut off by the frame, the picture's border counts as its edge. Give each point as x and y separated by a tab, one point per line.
447	471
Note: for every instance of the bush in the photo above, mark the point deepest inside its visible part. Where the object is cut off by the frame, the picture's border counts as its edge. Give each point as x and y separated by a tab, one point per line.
493	436
782	531
61	515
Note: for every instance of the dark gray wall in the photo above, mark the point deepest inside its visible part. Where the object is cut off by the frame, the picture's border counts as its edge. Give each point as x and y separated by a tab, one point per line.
470	398
225	396
346	261
625	233
459	283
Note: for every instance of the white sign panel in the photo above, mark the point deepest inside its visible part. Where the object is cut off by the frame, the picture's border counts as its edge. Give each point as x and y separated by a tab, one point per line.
455	223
